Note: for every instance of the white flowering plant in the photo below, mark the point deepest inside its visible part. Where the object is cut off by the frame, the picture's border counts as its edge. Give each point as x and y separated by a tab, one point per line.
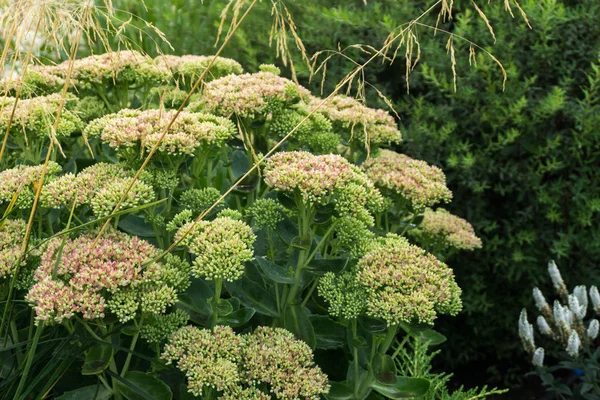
570	329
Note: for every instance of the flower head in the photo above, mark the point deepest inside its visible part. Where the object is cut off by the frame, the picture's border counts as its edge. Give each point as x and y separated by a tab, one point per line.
189	67
20	181
12	232
526	332
538	357
221	247
249	95
416	181
407	284
367	125
322	180
265	213
83	277
448	229
573	344
347	298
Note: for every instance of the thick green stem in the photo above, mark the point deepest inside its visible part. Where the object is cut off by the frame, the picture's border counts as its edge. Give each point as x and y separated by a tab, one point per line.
30	354
355	356
132	346
389	338
215	314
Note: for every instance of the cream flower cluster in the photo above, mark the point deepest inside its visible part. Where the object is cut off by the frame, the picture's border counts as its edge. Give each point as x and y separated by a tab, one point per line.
268	363
191	66
221	247
415	180
12	232
21	181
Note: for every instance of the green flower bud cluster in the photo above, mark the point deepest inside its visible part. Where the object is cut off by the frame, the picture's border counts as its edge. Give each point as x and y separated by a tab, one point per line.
179	219
229	213
268	363
221	247
449	230
354	235
347	298
188	68
22	180
199	200
157	328
89	108
406	284
265	213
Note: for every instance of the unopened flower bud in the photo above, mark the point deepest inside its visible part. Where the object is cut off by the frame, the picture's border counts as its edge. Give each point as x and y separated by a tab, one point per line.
526	332
576	308
595	296
592	330
557	281
581	293
573	344
538	357
540	300
543	326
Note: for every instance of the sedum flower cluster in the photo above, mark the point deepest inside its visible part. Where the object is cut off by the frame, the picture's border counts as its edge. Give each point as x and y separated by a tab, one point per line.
422	184
449	230
114	275
37	116
119	66
406	284
12	233
268	363
346	296
265	213
221	247
189	67
367	125
100	186
21	181
324	179
189	131
250	95
565	321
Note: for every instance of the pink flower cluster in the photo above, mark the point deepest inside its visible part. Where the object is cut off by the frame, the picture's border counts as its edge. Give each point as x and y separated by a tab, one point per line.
449	229
91	279
36	116
20	180
243	366
190	131
12	232
249	95
368	125
190	66
323	179
406	284
422	184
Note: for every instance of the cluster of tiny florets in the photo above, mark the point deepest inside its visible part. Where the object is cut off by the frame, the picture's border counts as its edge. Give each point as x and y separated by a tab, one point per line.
20	181
198	200
265	213
90	278
12	232
415	180
448	229
353	235
157	328
405	284
347	298
37	116
189	67
238	365
101	186
368	125
249	95
324	179
221	247
186	134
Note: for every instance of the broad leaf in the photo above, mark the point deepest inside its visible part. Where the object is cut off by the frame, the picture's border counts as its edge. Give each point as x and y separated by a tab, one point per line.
137	385
275	272
92	392
197	297
237	318
339	391
253	295
384	369
97	359
295	320
329	334
403	388
433	338
322	266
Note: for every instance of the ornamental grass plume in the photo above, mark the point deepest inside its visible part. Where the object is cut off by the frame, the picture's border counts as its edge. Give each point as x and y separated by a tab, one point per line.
189	132
36	116
367	125
12	233
406	284
250	95
81	277
416	181
320	180
20	181
221	247
268	363
448	230
189	67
